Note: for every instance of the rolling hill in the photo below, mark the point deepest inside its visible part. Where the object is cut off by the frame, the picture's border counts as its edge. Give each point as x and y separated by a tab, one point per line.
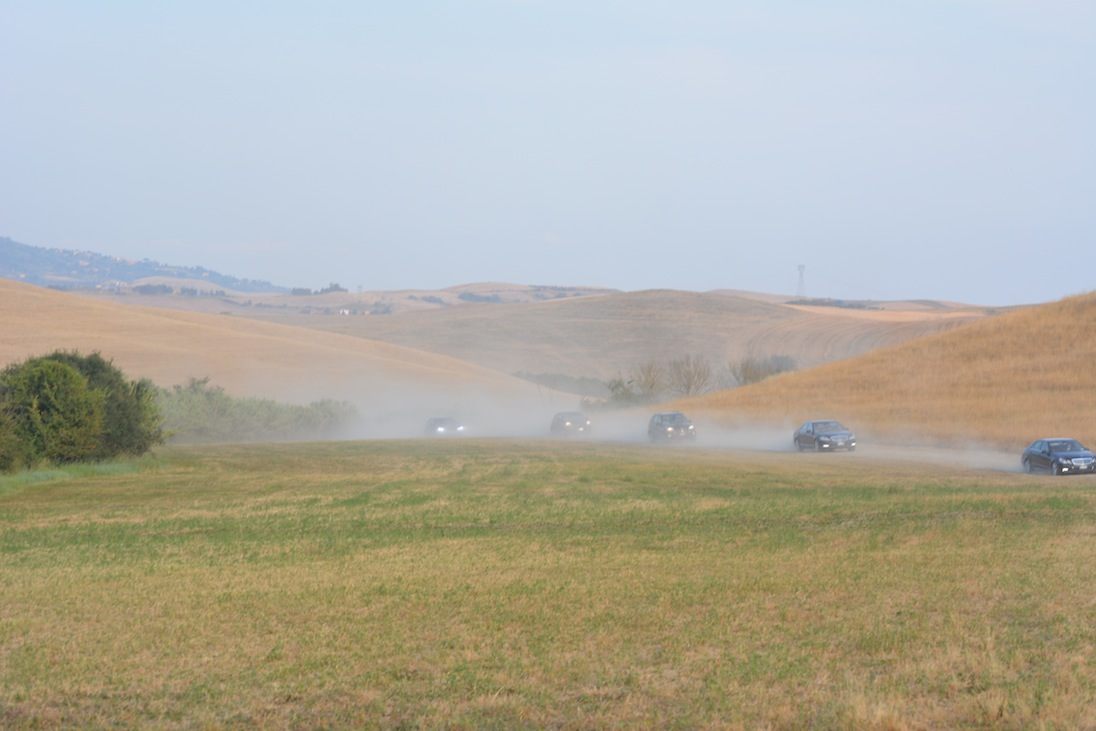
921	372
603	335
396	386
1002	381
578	332
75	269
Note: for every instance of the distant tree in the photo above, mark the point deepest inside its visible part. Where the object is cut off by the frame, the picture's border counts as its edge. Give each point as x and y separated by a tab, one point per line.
690	375
153	289
650	379
621	392
753	370
473	297
201	412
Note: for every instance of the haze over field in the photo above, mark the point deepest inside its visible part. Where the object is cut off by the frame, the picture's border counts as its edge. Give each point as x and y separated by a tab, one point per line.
935	149
958	375
395	388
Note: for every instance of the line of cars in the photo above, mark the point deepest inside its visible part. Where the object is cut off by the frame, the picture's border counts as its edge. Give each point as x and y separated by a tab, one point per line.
668	426
1057	456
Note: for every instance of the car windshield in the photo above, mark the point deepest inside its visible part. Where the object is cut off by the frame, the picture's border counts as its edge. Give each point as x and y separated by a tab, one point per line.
828	427
675	418
445	423
1065	445
572	416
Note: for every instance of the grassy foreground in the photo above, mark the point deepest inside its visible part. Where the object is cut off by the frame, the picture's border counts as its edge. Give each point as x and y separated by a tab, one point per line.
494	584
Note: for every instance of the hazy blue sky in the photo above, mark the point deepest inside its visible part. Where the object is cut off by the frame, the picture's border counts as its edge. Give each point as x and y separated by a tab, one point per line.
903	149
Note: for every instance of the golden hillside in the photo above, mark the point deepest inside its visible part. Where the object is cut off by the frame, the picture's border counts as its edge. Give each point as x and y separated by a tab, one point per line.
1003	381
604	335
246	357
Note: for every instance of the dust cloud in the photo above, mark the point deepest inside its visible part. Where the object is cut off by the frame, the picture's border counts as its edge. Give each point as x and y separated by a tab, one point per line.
391	408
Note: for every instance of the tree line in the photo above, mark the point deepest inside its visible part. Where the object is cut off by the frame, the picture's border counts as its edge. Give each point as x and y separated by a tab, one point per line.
654	380
66	407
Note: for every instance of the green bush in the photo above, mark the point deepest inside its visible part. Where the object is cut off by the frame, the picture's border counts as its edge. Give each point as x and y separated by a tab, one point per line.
55	416
131	418
11	449
66	407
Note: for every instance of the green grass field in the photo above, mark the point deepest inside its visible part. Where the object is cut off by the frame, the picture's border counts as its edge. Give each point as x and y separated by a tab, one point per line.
500	584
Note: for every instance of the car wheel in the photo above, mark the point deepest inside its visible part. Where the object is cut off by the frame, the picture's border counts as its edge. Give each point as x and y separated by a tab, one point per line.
1054	469
817	446
1026	464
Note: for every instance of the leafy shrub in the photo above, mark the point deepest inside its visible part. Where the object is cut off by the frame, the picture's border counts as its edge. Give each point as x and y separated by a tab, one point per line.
131	423
54	415
11	449
66	407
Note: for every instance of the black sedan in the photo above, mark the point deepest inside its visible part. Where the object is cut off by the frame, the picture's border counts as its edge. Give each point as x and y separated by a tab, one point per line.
824	436
1058	457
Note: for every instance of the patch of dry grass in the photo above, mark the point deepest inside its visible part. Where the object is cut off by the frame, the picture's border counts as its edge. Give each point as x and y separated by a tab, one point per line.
528	585
1003	381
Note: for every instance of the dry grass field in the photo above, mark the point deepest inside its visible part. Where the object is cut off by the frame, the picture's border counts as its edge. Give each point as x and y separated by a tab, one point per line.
245	357
604	335
1003	381
507	585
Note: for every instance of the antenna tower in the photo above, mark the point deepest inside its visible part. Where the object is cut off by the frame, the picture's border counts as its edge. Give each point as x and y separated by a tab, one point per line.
801	291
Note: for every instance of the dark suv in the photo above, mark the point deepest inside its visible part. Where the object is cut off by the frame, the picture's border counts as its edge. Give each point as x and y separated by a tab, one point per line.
670	426
570	422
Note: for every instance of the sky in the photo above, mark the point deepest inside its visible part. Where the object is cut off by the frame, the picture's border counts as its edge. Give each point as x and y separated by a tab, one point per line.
912	149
